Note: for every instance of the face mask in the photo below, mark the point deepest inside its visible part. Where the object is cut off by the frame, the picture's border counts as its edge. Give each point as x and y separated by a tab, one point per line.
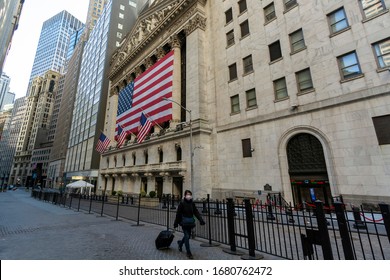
188	197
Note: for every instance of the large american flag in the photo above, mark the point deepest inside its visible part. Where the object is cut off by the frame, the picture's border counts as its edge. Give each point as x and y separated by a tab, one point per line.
145	95
102	143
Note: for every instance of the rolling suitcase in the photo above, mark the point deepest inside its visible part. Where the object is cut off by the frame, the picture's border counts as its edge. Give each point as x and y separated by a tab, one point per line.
164	239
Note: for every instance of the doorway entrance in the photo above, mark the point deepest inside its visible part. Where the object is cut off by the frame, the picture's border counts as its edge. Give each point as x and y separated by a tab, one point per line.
307	170
177	187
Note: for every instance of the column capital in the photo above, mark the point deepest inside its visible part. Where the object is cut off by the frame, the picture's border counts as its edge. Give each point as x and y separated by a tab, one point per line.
194	23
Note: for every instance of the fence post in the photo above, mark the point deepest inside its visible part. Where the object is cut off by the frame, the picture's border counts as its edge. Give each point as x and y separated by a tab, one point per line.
209	244
386	217
117	208
90	204
78	206
101	212
270	215
139	210
164	201
358	220
251	233
344	233
323	231
231	230
218	211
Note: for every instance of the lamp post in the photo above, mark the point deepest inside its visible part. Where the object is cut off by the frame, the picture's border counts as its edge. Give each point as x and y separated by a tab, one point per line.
191	152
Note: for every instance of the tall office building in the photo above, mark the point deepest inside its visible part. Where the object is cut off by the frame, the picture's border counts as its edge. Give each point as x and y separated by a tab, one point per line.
10	11
52	50
6	97
116	20
95	10
10	138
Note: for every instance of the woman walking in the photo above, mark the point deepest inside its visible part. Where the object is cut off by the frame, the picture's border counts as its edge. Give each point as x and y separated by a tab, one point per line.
185	218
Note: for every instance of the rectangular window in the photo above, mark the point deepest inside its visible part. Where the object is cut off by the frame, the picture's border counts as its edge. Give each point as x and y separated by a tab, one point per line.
121	15
382	53
228	16
120	26
304	80
247	64
382	129
280	88
297	42
235	104
230	38
244	28
337	21
242	7
269	12
251	98
274	51
288	4
349	66
246	147
372	7
232	72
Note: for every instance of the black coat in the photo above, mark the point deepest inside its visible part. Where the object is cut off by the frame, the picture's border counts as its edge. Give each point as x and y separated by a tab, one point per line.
187	209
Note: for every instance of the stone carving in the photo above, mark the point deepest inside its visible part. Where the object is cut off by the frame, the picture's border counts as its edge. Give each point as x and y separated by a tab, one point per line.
196	22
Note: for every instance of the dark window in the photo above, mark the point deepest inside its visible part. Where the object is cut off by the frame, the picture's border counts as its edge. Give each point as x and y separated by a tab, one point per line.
242	7
246	147
269	12
178	154
235	104
372	7
349	65
229	15
51	86
232	72
288	4
274	51
244	28
230	38
382	53
337	21
161	156
134	159
248	65
251	98
146	157
382	129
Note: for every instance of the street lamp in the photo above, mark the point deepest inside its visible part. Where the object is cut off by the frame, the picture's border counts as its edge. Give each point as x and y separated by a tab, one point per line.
191	152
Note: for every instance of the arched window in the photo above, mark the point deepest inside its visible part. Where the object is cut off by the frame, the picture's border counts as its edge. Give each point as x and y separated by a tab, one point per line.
178	154
160	154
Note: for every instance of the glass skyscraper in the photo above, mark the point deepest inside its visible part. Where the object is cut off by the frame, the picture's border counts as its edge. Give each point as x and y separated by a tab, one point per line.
52	50
116	20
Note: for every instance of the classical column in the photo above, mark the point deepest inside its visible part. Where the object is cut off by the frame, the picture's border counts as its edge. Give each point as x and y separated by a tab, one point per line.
176	85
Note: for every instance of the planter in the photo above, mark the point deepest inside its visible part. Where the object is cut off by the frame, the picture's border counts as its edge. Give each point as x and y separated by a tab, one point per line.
150	202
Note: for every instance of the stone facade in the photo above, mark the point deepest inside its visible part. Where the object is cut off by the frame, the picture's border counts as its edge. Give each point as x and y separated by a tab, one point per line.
314	142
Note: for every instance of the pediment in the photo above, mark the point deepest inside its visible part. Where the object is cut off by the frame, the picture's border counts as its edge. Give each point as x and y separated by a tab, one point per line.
150	22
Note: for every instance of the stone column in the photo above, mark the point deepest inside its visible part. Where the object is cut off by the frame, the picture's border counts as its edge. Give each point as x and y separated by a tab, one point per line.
124	186
176	85
111	111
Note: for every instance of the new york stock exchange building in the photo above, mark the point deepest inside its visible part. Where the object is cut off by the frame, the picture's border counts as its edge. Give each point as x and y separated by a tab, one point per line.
248	98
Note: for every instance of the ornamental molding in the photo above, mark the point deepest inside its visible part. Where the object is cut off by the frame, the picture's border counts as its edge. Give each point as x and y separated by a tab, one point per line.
163	17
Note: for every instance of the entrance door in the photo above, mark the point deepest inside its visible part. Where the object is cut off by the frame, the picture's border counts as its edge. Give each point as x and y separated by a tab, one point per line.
177	187
307	169
159	186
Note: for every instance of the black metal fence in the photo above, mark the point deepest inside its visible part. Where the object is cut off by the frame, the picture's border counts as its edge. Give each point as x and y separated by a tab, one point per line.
311	232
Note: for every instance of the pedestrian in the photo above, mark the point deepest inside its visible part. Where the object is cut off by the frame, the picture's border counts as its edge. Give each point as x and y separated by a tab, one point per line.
185	218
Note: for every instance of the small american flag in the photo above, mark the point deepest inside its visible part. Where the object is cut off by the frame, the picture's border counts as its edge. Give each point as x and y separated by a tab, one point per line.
102	143
120	136
145	126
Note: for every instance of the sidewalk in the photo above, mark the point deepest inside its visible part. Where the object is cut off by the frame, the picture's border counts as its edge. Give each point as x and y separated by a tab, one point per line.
35	230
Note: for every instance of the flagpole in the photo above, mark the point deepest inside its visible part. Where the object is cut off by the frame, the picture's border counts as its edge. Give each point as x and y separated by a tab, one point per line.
191	152
149	117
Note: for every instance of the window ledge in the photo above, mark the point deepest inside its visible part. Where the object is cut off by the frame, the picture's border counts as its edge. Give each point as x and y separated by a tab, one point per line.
276	60
226	24
250	72
289	9
297	51
339	32
265	23
353	78
375	16
228	46
251	108
384	69
235	113
306	91
235	79
243	37
243	12
282	99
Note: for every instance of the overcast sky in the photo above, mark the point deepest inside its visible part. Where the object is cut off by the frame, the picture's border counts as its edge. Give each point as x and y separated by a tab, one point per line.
20	58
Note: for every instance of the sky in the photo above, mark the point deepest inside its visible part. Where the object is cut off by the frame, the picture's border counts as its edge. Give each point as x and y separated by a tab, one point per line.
20	58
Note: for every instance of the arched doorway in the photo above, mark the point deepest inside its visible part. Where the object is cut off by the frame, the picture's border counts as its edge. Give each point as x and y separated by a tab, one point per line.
307	170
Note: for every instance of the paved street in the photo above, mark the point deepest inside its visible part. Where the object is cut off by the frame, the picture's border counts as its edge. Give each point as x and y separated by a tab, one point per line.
31	229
